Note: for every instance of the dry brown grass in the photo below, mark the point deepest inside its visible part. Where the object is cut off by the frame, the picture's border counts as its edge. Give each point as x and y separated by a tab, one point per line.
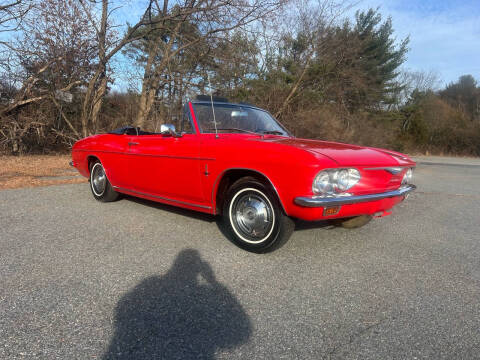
37	170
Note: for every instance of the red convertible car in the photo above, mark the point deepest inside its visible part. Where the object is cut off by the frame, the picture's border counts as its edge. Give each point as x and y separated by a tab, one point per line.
237	161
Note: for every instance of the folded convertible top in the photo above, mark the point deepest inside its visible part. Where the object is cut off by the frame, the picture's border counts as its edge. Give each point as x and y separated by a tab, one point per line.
130	130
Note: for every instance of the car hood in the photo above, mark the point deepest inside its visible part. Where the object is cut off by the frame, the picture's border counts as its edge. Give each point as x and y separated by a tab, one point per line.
348	155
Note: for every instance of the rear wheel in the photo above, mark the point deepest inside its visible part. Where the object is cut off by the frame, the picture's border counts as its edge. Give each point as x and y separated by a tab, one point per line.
354	222
253	217
101	188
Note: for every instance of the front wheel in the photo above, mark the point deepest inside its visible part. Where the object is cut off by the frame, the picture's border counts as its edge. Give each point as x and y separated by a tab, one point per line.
253	217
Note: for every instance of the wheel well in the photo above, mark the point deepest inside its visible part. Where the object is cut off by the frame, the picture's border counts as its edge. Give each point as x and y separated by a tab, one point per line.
91	159
231	176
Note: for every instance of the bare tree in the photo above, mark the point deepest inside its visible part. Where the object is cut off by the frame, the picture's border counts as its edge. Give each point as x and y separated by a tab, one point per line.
50	59
311	21
52	53
422	81
12	13
108	46
181	26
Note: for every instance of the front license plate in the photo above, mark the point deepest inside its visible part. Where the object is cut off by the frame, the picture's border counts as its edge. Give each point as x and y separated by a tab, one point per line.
329	211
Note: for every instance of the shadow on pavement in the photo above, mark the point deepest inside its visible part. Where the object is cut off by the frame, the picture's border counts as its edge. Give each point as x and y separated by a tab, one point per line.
185	314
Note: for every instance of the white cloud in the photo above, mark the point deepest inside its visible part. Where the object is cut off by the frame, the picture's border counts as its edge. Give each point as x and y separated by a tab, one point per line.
444	36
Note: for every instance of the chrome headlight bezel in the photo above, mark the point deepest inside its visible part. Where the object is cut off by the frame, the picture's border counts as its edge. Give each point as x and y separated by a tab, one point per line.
335	181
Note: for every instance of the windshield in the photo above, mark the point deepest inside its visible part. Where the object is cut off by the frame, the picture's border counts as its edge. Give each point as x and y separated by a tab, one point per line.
236	119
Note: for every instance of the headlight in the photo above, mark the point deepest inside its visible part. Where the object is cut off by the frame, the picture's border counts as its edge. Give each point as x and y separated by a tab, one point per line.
322	183
346	178
407	178
327	182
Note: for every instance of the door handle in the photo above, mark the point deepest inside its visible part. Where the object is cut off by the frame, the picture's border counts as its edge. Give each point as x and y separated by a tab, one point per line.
131	143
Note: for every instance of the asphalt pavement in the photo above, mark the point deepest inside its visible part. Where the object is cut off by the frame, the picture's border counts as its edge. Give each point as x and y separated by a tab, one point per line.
138	280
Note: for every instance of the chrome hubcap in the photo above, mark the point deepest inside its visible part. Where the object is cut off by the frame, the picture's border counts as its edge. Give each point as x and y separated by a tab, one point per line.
99	180
253	216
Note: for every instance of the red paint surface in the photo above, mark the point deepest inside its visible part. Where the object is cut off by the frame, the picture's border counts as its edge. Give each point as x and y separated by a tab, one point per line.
186	171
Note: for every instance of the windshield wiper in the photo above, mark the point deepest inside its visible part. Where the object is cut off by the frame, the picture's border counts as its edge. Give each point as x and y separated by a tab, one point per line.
236	129
272	132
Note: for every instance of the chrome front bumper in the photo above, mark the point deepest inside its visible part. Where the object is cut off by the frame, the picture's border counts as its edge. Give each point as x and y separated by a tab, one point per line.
318	201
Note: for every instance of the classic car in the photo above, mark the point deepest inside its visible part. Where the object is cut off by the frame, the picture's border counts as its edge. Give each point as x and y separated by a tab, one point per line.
237	161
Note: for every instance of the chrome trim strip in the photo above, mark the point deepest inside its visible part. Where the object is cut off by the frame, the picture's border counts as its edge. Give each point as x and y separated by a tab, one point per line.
391	169
151	155
162	198
315	201
172	156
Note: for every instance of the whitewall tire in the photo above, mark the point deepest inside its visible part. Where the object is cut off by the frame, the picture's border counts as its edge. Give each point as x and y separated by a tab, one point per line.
253	217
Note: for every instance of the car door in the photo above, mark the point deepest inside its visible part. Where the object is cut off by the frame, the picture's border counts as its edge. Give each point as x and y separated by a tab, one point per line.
166	166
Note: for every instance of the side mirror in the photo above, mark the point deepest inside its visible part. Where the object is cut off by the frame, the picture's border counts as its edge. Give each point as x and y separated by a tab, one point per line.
168	129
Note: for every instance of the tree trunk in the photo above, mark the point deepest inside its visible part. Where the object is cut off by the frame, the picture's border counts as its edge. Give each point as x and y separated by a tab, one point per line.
97	86
152	75
98	102
143	106
87	105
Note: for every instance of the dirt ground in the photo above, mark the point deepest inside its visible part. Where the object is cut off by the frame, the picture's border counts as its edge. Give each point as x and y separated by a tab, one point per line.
37	170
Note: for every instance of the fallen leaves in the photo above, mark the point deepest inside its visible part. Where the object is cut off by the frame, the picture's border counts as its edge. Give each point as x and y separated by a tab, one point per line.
37	170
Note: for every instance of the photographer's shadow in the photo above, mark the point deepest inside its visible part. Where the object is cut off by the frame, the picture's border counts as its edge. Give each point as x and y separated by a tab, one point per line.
185	314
